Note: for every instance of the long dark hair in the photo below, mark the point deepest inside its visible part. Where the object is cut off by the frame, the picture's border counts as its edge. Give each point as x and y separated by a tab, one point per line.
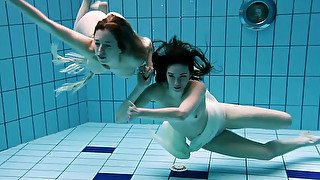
178	52
128	41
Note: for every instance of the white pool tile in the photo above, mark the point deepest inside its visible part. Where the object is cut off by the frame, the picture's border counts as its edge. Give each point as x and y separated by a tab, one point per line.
51	166
17	165
83	168
42	174
77	175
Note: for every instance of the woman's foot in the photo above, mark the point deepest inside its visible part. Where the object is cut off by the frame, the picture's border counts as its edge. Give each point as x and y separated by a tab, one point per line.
101	6
307	138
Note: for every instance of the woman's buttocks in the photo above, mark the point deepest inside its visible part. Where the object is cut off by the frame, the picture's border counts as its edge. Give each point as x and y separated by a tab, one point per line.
88	22
191	127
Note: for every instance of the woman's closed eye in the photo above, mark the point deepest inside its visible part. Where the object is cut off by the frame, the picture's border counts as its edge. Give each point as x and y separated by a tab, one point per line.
103	44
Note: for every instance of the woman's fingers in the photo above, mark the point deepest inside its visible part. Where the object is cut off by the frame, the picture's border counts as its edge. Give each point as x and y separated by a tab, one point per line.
130	103
146	72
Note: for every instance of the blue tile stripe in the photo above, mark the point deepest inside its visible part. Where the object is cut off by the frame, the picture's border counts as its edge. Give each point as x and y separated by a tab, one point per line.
103	176
190	174
303	174
97	149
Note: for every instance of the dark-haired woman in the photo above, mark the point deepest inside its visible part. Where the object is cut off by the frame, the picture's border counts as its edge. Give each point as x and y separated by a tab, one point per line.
190	111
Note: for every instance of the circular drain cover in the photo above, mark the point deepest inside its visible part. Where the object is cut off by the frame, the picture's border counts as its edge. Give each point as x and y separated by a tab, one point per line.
178	167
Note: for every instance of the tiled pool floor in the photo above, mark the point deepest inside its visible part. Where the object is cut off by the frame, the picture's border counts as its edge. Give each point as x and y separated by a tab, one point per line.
127	151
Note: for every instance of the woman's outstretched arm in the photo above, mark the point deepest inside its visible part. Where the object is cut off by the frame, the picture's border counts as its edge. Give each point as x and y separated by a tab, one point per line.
138	93
191	100
76	40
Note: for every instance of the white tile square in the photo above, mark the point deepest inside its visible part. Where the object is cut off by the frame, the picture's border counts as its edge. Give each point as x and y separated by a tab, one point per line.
42	174
37	153
4	157
261	171
17	165
226	176
77	175
87	161
152	164
103	143
26	159
134	143
163	172
67	142
102	138
83	168
93	155
117	169
12	172
155	152
126	157
194	160
51	166
271	164
56	160
302	167
156	158
121	163
146	177
39	147
137	151
68	148
63	154
227	169
228	162
254	177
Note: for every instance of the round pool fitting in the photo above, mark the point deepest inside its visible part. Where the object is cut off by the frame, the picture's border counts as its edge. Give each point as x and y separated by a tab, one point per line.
257	14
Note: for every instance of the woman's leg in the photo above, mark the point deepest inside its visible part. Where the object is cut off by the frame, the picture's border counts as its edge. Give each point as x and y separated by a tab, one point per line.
231	144
84	8
238	116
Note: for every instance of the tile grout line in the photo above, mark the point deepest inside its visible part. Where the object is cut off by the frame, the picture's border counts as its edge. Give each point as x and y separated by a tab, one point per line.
115	147
79	152
47	153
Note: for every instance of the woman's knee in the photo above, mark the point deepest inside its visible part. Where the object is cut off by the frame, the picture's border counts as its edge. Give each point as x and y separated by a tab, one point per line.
287	119
272	149
268	155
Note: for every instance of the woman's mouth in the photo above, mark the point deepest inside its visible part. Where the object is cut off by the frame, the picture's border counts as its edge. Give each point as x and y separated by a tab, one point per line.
101	57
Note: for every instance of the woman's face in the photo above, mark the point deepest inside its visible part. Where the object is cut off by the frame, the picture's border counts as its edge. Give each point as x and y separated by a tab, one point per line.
178	76
106	47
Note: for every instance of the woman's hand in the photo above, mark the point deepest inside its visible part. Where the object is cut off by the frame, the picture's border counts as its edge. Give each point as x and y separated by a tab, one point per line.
145	75
133	111
121	115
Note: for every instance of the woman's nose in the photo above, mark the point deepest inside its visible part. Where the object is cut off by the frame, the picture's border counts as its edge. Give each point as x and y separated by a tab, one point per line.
177	82
101	49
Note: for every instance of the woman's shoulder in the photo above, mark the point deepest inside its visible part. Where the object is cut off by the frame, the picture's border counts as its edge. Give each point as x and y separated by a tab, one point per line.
198	84
154	91
157	86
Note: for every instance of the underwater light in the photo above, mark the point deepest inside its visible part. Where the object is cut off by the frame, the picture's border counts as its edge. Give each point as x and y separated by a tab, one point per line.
257	14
